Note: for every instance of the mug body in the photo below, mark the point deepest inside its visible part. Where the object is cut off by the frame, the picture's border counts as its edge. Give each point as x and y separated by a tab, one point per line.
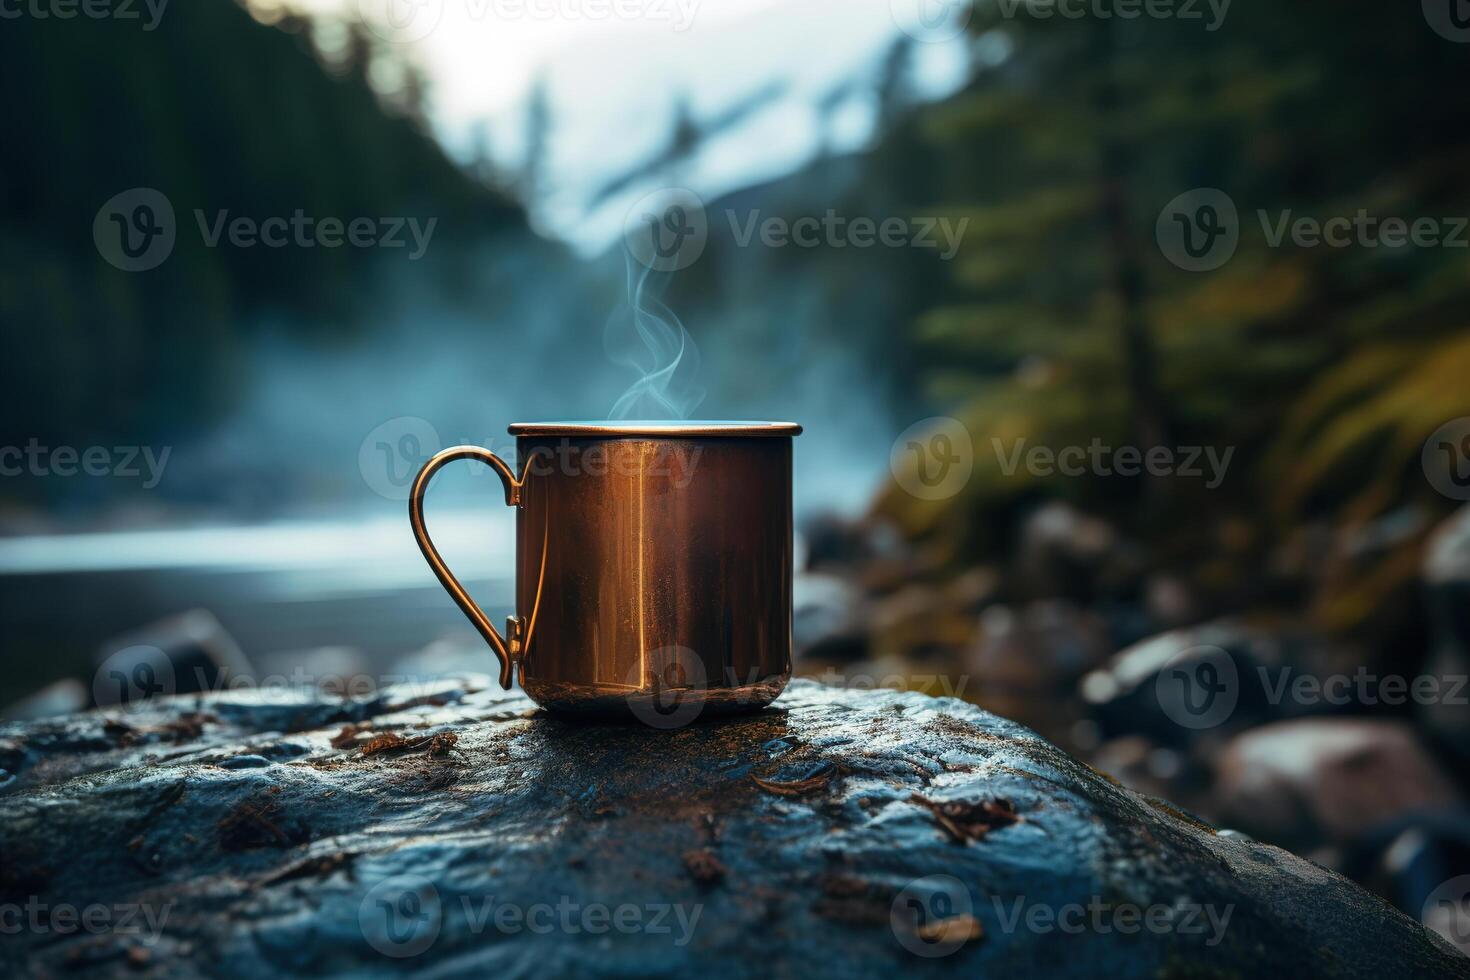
654	565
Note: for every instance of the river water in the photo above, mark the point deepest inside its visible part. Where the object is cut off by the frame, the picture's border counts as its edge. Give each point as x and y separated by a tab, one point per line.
280	589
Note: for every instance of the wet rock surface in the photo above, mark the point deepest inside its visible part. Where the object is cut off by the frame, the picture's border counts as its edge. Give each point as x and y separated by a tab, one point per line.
458	831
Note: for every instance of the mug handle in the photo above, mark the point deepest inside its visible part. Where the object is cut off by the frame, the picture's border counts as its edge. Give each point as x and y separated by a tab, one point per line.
507	651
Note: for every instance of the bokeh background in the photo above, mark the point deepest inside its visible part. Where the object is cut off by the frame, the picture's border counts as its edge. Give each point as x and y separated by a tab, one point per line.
1269	627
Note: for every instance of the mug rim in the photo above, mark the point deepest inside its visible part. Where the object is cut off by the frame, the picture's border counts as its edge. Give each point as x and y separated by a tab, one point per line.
670	430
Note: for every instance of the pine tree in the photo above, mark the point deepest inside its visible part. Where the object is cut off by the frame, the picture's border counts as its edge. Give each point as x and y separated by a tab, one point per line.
1065	320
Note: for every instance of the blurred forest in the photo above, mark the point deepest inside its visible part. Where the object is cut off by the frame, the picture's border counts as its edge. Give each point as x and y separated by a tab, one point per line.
1059	600
1325	368
217	111
1062	320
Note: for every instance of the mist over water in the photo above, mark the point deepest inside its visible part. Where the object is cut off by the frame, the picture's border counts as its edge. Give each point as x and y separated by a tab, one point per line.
470	364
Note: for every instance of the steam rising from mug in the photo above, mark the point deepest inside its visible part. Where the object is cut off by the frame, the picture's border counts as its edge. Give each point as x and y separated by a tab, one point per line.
648	338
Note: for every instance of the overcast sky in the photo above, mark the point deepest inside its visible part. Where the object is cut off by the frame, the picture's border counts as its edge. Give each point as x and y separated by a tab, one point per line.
616	69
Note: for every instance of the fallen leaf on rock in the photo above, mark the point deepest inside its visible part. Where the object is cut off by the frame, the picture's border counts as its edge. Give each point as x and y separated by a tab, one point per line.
317	867
966	821
386	742
955	929
797	787
389	742
347	737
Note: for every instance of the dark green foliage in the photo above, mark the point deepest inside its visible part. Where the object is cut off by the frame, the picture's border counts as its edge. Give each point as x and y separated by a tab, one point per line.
218	113
1063	320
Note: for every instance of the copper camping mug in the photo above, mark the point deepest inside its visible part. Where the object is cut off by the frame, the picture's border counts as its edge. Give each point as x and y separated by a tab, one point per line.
653	564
